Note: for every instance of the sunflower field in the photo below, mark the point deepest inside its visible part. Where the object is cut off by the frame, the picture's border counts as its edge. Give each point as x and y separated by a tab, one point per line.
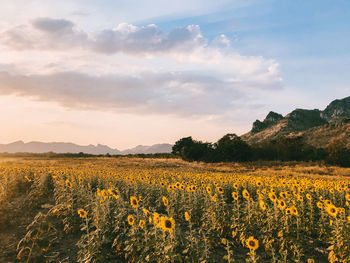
137	210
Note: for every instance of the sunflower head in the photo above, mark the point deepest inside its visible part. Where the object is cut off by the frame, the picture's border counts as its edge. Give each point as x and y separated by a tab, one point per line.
235	195
332	210
245	194
281	204
208	188
131	220
187	216
165	201
69	184
273	197
82	213
142	224
262	205
252	243
168	224
220	190
134	202
146	212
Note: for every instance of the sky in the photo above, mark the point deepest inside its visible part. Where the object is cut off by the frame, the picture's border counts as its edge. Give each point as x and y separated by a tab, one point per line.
126	72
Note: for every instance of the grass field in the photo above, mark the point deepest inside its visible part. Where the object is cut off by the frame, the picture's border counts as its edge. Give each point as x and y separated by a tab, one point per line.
167	210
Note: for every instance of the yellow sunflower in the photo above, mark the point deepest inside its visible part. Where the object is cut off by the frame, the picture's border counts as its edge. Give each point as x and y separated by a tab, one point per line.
252	243
168	224
82	213
69	184
146	212
220	190
262	205
208	188
273	197
235	195
131	220
134	202
142	224
187	216
281	204
165	201
332	210
245	194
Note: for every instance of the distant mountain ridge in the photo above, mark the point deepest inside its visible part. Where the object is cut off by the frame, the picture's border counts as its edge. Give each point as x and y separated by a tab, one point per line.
318	128
63	147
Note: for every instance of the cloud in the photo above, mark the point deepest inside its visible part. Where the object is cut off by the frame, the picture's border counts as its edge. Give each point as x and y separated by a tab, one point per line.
138	69
48	33
168	93
53	26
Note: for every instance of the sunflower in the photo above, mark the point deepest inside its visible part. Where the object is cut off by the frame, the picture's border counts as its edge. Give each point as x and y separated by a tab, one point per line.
347	197
208	189
288	211
235	186
332	210
131	220
300	198
252	243
142	224
146	212
187	216
235	195
273	197
165	201
168	224
245	194
319	204
283	194
220	190
327	202
223	241
294	210
308	196
281	204
134	202
262	205
69	184
82	213
104	194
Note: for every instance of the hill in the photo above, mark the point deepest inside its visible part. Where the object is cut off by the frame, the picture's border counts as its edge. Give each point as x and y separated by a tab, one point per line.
318	128
63	147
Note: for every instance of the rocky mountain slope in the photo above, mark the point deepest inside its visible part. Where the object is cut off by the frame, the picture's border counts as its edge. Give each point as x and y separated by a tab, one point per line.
318	128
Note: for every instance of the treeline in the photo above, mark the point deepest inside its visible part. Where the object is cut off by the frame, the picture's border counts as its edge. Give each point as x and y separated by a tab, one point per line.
231	148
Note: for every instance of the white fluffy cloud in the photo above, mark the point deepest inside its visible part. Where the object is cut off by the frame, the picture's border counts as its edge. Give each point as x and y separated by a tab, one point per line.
180	72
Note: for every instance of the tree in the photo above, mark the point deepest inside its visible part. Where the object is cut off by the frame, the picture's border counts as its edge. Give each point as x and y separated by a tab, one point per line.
191	150
232	148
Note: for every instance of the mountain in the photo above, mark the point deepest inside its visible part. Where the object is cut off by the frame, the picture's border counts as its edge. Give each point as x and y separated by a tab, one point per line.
318	128
157	148
62	147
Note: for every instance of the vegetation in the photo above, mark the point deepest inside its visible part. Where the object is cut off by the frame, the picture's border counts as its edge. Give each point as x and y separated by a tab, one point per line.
167	210
232	148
